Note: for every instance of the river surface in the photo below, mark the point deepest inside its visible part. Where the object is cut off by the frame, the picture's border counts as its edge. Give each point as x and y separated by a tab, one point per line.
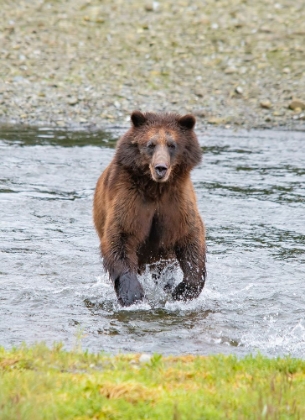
251	195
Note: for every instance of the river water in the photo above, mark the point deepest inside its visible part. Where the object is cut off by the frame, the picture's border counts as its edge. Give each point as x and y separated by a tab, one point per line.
251	195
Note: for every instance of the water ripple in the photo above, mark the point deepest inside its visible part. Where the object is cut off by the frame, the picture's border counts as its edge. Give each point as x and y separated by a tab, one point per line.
251	194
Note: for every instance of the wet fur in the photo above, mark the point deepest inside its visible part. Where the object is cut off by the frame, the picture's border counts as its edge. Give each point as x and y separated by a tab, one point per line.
140	221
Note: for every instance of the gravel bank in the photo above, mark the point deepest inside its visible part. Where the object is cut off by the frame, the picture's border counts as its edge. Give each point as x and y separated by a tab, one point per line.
90	63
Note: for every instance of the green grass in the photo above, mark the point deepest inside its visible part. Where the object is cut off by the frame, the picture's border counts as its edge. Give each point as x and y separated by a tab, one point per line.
42	383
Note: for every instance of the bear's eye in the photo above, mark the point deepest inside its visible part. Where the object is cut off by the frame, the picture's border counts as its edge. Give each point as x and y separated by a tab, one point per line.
171	146
151	146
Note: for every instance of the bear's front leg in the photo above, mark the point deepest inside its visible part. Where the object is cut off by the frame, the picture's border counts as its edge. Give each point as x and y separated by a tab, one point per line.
121	262
128	289
191	258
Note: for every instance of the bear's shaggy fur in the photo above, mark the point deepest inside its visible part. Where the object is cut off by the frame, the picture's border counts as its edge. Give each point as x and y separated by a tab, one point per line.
145	207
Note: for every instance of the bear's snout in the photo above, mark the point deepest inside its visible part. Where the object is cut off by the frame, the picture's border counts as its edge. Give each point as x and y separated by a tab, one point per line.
160	166
161	170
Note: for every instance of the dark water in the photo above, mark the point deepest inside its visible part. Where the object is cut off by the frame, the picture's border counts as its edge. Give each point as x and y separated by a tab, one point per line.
251	195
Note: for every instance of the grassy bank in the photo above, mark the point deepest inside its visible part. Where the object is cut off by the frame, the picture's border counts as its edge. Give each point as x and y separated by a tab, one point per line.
42	383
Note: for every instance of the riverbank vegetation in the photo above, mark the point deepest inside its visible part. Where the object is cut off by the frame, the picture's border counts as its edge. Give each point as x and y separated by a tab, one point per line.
41	383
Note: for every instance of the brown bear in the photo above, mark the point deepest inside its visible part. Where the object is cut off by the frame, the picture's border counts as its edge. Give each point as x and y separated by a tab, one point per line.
145	208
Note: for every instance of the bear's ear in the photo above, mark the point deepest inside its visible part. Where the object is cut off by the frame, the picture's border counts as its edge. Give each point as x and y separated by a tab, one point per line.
187	121
138	118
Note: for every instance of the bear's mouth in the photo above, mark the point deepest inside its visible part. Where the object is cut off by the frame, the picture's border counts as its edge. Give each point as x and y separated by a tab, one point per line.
160	172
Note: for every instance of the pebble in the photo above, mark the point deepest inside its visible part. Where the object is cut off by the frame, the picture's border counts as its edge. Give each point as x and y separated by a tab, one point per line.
266	104
72	101
145	358
216	120
230	70
200	113
295	104
300	117
149	7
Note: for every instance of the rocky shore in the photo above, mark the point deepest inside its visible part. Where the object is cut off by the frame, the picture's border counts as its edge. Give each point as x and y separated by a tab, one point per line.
89	63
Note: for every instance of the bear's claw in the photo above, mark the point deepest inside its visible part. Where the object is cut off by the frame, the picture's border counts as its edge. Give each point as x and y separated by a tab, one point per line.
128	289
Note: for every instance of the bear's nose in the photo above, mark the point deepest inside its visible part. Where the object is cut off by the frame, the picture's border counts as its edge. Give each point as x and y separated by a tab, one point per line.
161	170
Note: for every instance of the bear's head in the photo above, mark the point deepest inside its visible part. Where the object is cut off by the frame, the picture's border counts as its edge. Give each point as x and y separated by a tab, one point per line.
160	145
